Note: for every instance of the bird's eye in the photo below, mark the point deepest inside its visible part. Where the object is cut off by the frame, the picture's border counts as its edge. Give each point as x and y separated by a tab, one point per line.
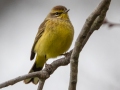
57	14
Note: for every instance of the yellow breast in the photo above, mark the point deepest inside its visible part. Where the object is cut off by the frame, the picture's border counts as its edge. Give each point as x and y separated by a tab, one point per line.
56	39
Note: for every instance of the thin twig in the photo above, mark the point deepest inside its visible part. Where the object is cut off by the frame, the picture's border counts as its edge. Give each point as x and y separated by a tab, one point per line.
41	84
81	41
110	24
43	74
97	23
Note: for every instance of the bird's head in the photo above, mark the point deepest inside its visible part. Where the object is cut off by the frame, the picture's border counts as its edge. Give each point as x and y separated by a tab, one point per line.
59	12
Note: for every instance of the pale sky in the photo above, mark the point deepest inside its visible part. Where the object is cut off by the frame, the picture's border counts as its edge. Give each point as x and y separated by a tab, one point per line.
99	61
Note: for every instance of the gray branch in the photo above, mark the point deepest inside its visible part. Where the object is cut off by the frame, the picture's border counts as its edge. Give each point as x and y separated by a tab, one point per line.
43	74
93	22
41	84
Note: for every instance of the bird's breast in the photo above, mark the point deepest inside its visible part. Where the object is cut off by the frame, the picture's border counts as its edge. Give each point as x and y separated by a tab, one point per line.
56	39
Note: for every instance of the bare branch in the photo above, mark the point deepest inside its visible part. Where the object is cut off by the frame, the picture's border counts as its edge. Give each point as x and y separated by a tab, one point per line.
55	65
90	25
41	84
97	23
43	74
110	24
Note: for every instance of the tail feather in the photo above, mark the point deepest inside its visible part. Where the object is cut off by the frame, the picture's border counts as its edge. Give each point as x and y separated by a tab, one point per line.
37	66
34	80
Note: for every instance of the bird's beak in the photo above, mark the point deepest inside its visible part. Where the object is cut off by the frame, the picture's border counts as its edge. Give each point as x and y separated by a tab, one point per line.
66	10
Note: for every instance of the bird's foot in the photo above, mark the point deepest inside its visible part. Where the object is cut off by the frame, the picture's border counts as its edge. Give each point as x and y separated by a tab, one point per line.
65	54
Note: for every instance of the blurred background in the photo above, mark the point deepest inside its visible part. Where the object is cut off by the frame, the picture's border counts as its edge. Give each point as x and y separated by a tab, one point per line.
99	61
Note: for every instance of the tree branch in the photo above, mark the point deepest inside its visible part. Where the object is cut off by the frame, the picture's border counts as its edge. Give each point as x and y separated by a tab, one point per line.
41	84
43	74
110	24
55	65
93	22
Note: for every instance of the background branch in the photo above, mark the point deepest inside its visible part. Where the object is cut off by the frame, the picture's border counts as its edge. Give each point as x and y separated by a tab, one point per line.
110	24
93	22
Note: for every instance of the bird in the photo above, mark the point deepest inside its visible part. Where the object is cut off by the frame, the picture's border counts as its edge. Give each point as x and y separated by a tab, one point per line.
54	37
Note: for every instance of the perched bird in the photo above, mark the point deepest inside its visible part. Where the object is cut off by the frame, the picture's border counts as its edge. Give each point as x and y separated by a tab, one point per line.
54	37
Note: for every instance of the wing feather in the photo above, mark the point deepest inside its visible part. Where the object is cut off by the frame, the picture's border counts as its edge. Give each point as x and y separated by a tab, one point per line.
38	36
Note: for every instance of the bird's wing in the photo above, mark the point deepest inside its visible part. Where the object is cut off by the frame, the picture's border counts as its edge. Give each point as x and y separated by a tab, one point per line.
39	34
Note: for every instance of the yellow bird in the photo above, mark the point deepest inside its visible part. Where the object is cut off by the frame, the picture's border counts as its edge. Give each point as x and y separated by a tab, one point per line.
54	37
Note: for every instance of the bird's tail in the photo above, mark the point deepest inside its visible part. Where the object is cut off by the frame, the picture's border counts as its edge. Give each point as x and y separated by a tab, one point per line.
37	66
